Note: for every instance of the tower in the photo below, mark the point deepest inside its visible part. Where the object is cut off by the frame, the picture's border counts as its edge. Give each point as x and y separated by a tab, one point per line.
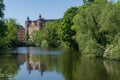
26	29
40	22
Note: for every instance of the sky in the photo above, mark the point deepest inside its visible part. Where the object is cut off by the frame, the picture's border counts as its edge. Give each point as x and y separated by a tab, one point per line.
49	9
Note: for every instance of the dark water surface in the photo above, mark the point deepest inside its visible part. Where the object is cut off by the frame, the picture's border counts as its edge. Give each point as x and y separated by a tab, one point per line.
32	63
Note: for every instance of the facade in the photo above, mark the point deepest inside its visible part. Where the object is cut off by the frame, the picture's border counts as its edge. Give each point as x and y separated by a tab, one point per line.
36	25
21	34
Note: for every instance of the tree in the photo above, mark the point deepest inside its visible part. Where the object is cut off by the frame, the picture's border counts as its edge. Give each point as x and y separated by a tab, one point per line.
2	26
48	36
8	34
91	40
2	8
112	27
88	1
11	32
98	29
66	33
3	29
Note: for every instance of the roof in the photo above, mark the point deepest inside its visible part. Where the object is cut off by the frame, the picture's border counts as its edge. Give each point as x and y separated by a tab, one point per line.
20	27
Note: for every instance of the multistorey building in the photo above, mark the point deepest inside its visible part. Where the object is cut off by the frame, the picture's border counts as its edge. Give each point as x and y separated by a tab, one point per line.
36	25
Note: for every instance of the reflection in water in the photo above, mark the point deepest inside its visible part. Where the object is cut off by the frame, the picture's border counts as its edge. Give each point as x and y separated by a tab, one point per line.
9	66
113	70
32	63
90	69
21	59
35	50
64	66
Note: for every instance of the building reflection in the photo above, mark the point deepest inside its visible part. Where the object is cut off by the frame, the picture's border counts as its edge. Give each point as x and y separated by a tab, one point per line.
33	63
21	59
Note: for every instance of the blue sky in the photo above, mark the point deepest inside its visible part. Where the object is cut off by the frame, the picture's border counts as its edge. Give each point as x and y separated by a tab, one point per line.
49	9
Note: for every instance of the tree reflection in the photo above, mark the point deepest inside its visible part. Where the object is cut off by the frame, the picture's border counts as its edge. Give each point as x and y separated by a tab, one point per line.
73	67
90	69
8	66
113	70
68	62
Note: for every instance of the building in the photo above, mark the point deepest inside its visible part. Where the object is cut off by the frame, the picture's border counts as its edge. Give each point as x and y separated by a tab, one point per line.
21	34
36	25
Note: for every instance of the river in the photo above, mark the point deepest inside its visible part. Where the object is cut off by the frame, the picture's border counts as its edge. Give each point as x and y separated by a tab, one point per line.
33	63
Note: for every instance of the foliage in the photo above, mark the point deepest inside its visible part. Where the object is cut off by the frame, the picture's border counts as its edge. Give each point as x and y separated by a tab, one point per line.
11	32
88	1
2	8
48	36
3	28
8	34
8	66
26	36
66	33
87	27
113	27
59	33
97	27
8	30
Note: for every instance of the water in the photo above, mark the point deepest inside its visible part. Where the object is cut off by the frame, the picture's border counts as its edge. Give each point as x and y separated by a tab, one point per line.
32	63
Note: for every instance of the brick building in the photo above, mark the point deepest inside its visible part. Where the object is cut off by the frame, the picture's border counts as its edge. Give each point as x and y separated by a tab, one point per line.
21	34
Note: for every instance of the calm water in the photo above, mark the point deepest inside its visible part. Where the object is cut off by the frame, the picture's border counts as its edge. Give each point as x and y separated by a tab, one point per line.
33	63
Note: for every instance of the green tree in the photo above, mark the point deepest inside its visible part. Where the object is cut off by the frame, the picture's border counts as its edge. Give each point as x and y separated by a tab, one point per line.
88	1
66	33
8	34
48	36
98	29
90	39
2	8
2	26
3	29
113	29
11	32
51	30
